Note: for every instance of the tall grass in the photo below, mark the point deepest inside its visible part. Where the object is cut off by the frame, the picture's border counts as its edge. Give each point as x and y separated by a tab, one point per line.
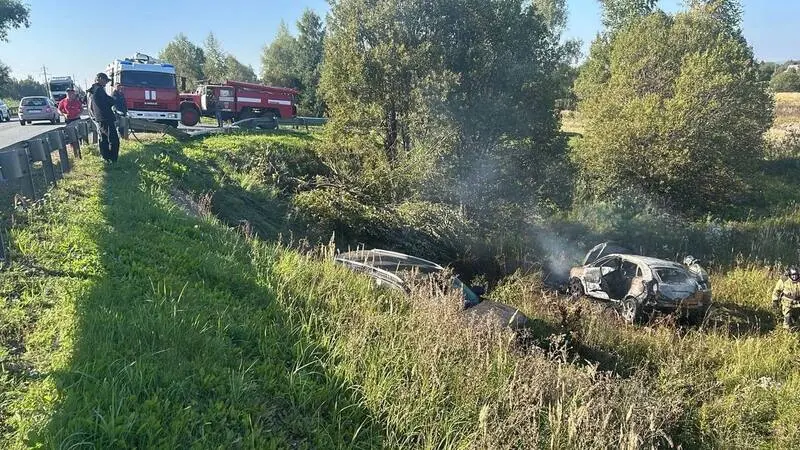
144	325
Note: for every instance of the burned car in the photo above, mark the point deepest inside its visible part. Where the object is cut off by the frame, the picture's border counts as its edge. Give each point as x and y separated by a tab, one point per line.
641	285
397	271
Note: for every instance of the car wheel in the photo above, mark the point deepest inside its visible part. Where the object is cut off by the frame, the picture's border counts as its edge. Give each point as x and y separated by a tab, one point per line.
22	122
29	122
575	289
631	311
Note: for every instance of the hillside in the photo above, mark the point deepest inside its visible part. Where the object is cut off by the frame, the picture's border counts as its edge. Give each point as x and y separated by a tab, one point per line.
151	305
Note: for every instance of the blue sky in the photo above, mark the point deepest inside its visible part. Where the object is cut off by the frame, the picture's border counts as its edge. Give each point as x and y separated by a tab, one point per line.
80	37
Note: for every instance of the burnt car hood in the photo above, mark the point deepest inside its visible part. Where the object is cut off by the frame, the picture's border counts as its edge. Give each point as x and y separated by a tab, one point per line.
604	249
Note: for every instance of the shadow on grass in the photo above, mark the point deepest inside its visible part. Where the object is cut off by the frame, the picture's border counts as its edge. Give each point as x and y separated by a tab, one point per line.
739	320
181	343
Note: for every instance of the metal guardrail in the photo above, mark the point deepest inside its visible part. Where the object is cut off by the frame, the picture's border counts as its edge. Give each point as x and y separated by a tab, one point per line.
17	162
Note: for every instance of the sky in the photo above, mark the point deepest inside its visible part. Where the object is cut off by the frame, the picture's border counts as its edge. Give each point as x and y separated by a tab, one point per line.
81	37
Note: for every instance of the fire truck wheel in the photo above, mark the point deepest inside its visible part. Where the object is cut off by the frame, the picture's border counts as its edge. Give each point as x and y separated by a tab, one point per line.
189	115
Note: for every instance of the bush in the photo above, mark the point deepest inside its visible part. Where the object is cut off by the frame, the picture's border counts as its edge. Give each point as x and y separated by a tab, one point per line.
675	111
786	81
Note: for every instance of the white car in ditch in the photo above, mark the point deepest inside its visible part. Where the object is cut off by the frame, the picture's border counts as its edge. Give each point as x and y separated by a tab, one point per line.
640	285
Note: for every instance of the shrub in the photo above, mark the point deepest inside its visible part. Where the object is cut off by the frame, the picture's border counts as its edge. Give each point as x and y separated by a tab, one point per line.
675	110
786	81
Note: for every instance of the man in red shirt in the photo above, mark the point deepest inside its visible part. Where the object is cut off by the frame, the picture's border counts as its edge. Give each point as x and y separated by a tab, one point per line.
70	106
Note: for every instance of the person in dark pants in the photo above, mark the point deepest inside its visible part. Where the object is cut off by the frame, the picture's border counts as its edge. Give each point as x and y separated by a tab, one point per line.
215	106
100	108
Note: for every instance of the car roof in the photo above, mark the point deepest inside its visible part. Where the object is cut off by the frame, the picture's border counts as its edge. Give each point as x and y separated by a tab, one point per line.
646	260
389	261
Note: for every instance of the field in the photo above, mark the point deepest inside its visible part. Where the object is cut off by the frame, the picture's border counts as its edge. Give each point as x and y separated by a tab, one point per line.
171	300
787	108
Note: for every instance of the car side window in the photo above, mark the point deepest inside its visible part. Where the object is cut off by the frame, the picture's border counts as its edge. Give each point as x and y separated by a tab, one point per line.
612	263
629	269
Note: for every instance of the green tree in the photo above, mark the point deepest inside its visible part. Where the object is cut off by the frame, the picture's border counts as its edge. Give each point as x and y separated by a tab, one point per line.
235	70
728	12
618	13
13	14
5	81
310	50
215	67
279	60
472	83
16	89
675	111
786	81
766	70
187	57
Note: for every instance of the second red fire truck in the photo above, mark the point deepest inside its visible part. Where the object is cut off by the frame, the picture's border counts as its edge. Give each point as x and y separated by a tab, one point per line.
238	101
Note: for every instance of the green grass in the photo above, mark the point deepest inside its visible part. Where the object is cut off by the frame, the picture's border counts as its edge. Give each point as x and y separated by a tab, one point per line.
128	322
143	326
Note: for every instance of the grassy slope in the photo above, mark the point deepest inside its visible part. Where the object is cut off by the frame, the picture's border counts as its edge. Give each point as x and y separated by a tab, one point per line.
146	326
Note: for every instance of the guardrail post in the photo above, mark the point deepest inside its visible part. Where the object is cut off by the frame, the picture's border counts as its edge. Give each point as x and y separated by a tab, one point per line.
124	125
15	165
38	153
57	143
74	140
83	131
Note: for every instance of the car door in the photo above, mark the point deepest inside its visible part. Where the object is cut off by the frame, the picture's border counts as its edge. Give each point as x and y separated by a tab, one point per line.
593	276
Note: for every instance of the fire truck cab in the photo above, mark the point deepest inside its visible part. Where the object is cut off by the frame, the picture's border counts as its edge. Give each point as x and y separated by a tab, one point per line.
149	87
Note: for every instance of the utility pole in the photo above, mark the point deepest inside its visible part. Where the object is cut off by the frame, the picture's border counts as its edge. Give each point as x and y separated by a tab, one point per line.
46	81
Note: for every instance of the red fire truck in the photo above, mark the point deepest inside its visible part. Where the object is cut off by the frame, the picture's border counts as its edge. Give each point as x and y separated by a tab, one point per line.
149	86
238	101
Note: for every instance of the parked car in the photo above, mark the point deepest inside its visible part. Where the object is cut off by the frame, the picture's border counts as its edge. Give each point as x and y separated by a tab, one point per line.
640	285
38	108
396	270
5	114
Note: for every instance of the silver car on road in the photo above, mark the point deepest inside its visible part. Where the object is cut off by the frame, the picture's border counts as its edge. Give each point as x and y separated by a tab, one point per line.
38	108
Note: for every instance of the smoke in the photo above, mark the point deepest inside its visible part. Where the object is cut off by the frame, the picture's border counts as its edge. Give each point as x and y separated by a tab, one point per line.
559	255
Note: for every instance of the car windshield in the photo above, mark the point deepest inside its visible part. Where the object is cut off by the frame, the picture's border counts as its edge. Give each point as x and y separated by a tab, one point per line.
670	275
147	79
36	101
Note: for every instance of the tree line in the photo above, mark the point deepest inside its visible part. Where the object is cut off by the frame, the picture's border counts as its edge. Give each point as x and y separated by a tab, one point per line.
458	101
782	77
288	61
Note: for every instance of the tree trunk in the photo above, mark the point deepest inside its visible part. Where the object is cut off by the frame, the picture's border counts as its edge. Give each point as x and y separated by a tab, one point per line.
390	142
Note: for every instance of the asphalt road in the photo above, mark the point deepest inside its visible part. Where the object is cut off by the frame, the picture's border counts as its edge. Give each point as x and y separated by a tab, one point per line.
12	132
